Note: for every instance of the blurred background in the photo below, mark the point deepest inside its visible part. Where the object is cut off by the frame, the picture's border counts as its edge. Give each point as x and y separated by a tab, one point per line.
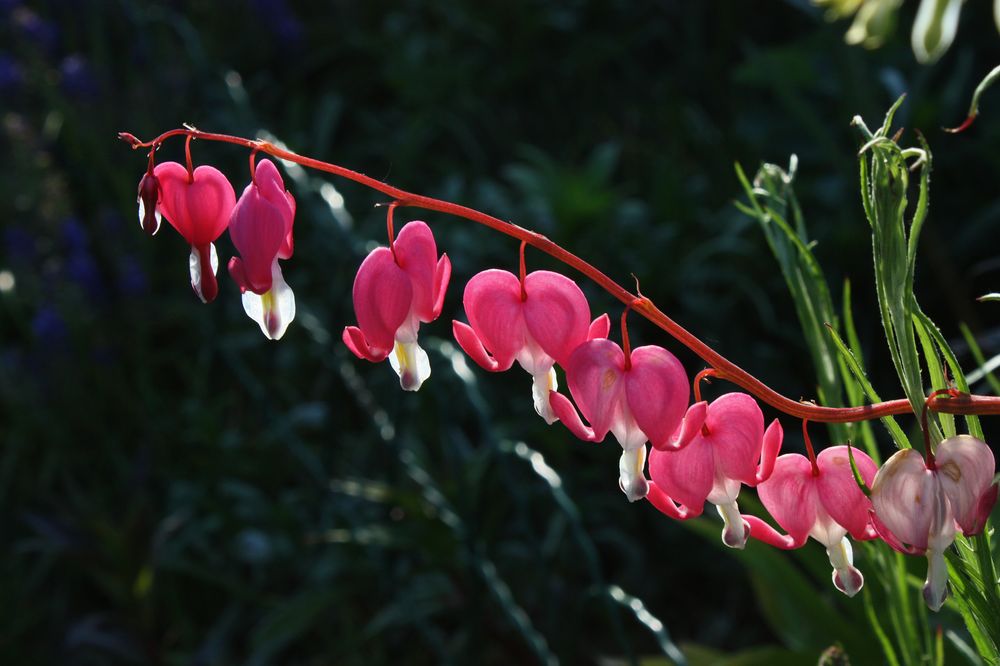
176	489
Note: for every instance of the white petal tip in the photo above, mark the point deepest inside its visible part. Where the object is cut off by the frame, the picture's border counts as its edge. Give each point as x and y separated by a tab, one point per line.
631	474
541	386
849	581
411	364
274	310
736	530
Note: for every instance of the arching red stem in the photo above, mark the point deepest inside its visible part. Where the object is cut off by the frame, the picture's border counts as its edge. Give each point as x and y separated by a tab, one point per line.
522	272
626	345
390	228
187	158
809	446
963	404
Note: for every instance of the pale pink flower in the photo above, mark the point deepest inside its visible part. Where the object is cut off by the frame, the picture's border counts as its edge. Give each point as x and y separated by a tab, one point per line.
921	504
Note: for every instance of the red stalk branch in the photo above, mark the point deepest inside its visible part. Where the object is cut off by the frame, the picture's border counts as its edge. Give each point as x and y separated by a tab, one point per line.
725	369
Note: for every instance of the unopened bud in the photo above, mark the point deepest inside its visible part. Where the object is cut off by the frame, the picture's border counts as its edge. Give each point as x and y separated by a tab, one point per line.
934	28
149	195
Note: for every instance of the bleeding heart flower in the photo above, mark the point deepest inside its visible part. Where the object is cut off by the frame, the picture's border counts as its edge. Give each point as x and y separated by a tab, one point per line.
198	206
918	503
261	229
638	398
732	449
148	199
823	502
393	294
538	325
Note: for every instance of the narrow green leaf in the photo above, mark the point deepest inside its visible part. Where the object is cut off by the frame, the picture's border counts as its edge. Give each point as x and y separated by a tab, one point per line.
873	619
772	199
857	473
977	354
887	123
972	422
859	374
935	371
804	620
855	392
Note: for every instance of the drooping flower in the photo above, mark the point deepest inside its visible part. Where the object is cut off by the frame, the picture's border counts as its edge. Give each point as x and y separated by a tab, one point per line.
538	324
638	398
198	205
921	504
148	197
732	449
394	292
261	229
823	502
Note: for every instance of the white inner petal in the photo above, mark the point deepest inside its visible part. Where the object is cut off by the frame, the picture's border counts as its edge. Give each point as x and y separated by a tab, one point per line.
734	530
274	310
626	430
936	586
541	384
532	358
142	216
846	578
631	474
411	364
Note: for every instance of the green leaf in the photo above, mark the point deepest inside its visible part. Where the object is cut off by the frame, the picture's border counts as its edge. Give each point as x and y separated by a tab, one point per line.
855	391
804	620
756	656
977	354
890	423
288	621
772	202
936	372
971	421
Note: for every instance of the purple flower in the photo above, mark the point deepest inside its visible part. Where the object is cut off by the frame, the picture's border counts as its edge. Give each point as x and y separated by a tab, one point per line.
11	76
132	279
74	235
35	29
283	23
80	265
19	245
77	78
49	327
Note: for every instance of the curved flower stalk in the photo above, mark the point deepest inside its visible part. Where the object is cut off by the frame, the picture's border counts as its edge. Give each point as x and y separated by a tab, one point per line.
640	396
732	449
920	505
198	205
964	404
821	500
261	229
395	291
538	322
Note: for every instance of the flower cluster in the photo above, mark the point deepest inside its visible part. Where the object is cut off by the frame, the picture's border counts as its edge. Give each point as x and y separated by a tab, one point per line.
676	454
201	204
697	452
